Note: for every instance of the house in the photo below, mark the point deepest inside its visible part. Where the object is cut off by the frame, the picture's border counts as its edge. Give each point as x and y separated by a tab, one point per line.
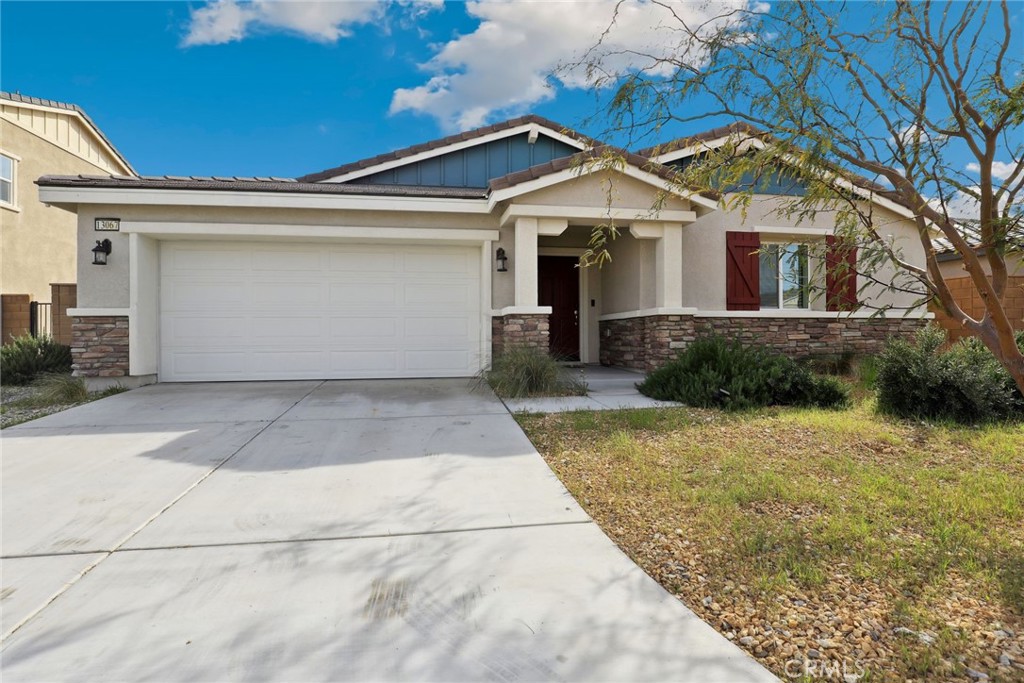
38	244
951	264
425	261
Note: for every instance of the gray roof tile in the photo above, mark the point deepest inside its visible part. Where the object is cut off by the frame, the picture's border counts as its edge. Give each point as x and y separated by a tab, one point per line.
255	185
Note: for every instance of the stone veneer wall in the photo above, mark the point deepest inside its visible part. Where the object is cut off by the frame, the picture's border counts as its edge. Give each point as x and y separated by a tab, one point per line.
648	342
518	330
99	346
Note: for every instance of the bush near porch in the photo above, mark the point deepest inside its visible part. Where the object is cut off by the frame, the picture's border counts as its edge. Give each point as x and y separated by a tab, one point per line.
715	372
813	537
525	371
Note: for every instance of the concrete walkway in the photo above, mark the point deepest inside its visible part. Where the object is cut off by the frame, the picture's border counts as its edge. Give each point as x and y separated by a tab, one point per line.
388	530
607	389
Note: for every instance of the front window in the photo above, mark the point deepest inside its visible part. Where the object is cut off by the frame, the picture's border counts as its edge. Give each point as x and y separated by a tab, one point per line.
784	276
6	179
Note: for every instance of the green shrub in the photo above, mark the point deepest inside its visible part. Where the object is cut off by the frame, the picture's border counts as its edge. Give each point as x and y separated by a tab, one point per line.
526	371
964	383
713	372
830	363
25	358
58	389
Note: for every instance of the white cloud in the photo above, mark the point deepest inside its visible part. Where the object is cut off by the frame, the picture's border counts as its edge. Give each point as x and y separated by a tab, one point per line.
1000	169
505	64
224	21
963	205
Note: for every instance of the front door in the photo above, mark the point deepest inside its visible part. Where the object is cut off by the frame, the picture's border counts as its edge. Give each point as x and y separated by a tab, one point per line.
559	288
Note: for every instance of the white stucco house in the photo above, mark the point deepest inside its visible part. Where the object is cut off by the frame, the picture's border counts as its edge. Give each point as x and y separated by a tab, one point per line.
425	261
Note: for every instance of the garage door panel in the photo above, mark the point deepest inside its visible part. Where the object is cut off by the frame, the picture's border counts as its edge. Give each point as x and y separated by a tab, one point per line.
444	329
428	361
204	259
363	261
199	295
287	294
365	362
444	263
287	362
274	329
187	330
260	311
440	295
363	295
187	366
286	261
362	328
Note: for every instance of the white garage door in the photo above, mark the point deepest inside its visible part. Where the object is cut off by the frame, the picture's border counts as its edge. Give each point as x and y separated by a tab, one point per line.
244	311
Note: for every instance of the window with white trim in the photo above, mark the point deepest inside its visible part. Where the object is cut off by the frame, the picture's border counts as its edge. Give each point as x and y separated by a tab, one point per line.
783	276
6	179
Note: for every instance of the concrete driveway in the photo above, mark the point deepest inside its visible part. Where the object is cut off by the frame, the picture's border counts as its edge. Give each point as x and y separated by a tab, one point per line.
384	530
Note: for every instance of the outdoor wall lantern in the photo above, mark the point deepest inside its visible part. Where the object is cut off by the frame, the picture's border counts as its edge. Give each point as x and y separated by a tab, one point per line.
503	260
100	252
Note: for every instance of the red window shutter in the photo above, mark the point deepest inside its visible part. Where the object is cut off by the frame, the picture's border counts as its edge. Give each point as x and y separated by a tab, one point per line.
840	275
742	271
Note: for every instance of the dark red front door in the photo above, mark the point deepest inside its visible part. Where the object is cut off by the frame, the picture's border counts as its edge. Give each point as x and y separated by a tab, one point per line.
559	288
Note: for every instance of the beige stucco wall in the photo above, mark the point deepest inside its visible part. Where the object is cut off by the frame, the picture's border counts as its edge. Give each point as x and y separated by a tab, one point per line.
955	268
597	189
629	275
704	255
38	243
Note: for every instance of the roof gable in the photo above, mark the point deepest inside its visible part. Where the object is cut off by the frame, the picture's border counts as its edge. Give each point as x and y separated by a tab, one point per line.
477	165
746	136
65	125
533	128
585	163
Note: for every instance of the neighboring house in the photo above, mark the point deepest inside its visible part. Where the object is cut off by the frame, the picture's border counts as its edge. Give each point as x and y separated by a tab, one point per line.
425	261
962	288
38	244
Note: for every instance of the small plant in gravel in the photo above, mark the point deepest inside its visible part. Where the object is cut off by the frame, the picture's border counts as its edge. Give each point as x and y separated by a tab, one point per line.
962	383
27	357
55	389
715	372
523	371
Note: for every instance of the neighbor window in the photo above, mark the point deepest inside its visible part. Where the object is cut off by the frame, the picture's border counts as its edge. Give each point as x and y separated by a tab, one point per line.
6	179
783	276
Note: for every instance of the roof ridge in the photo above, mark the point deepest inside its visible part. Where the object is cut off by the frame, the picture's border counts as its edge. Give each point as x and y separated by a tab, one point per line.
17	97
446	141
704	136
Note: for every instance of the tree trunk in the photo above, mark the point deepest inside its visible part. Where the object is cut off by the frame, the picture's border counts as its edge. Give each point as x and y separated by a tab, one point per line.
1003	346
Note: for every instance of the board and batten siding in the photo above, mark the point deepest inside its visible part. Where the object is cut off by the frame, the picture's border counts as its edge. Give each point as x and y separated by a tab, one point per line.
474	166
65	131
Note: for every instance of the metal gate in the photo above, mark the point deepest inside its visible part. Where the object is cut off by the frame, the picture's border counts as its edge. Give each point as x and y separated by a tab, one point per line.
39	319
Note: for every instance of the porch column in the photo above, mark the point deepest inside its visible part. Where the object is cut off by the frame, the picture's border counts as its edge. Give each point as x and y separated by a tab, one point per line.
668	260
526	262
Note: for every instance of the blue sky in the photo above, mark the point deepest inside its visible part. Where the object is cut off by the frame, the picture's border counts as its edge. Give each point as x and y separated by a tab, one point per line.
275	100
286	88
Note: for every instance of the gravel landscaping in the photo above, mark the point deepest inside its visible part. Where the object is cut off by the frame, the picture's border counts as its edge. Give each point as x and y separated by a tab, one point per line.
826	544
18	404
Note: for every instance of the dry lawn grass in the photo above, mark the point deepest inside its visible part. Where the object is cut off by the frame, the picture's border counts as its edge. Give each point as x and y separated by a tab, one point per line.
816	538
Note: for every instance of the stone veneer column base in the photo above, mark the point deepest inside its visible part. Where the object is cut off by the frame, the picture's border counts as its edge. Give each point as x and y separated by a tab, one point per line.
517	329
646	343
99	346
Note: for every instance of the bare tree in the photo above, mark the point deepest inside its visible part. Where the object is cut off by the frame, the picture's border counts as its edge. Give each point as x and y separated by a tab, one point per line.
836	94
